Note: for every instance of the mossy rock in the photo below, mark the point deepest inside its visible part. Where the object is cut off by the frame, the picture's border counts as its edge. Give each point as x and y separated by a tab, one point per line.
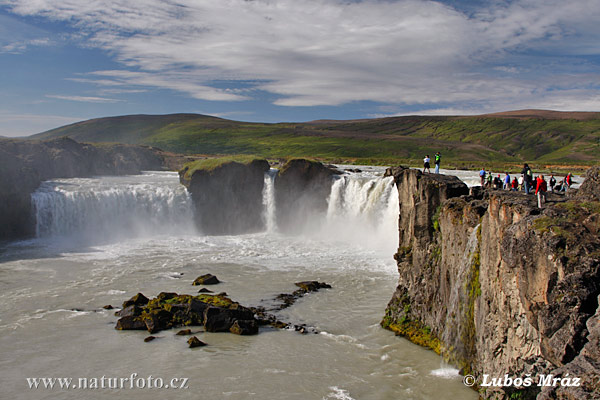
217	313
206	279
138	300
195	342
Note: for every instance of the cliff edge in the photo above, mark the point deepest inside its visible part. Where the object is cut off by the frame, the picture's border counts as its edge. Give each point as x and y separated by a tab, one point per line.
498	286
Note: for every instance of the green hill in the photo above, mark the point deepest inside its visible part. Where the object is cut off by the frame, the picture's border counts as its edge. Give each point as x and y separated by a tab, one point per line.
546	137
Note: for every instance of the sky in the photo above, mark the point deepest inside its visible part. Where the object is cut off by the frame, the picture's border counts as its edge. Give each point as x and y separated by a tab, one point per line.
63	61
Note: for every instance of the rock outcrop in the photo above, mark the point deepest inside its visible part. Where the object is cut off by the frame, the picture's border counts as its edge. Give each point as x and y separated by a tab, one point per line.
301	191
217	313
227	195
24	164
499	286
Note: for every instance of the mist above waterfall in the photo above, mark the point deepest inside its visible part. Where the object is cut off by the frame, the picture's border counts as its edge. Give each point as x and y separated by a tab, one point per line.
111	208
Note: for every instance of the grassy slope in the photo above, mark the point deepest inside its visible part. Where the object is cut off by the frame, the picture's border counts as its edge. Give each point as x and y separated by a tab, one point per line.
462	140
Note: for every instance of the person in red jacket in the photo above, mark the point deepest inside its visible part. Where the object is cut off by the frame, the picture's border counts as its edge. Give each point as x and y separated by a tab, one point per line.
515	184
541	189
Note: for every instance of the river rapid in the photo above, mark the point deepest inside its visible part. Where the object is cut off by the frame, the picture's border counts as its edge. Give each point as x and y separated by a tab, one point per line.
100	241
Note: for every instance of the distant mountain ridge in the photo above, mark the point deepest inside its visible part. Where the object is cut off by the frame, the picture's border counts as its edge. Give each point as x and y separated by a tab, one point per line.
512	136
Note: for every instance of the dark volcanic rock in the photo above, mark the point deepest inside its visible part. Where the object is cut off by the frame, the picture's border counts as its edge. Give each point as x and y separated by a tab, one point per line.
130	311
149	338
244	327
137	300
219	319
228	198
301	191
195	342
217	313
207	279
130	323
184	332
27	163
108	307
312	286
205	290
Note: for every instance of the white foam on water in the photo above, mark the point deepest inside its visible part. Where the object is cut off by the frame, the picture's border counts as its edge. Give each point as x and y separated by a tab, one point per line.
446	373
338	394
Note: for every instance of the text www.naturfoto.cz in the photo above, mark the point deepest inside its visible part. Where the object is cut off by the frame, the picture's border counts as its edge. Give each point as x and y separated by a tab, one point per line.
103	382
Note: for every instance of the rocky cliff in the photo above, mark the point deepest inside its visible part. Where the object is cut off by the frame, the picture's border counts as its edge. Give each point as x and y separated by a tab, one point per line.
301	191
498	286
24	164
227	194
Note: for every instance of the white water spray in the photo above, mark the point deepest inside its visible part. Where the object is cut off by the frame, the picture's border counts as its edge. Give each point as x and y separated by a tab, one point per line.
364	209
268	197
108	207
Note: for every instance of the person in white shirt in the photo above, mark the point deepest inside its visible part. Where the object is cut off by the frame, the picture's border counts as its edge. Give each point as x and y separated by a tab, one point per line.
426	161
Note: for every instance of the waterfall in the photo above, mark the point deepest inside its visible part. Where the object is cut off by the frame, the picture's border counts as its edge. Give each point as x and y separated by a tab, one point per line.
364	209
268	196
109	207
459	292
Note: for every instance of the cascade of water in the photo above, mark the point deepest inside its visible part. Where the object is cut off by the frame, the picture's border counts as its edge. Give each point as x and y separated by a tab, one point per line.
364	209
115	206
459	295
268	196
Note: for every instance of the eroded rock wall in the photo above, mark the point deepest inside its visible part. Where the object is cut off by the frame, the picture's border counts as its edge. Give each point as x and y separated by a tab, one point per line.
228	199
301	191
498	286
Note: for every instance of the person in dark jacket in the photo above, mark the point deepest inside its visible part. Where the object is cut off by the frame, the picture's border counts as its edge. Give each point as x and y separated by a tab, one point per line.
527	178
552	182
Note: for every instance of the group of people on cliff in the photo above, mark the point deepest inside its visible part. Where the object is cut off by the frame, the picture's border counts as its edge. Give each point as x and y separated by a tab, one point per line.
437	161
526	182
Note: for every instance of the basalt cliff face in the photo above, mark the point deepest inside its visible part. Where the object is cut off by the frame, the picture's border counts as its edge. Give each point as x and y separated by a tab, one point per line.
24	164
228	198
499	286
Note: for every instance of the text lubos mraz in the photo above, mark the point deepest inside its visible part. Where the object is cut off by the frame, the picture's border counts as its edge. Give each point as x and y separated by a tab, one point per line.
527	381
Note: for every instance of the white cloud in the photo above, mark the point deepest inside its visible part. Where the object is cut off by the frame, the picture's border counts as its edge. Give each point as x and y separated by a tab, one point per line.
84	99
331	52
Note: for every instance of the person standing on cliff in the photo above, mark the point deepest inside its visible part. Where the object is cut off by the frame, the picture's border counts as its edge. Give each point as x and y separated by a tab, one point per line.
426	161
482	176
438	159
540	190
552	182
515	184
527	177
506	181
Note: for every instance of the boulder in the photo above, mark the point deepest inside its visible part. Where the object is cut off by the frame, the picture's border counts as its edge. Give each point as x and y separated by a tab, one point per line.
195	342
244	327
220	319
207	279
138	300
130	323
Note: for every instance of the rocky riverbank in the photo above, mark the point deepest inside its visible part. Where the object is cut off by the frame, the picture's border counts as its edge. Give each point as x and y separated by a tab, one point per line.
24	164
499	286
